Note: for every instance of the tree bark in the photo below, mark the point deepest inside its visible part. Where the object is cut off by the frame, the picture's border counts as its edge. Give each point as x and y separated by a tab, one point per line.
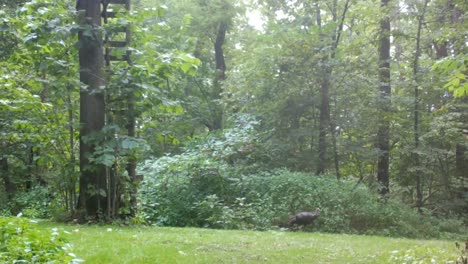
416	112
441	51
383	134
92	110
131	165
324	116
336	159
10	187
461	159
71	186
461	162
217	119
219	52
324	123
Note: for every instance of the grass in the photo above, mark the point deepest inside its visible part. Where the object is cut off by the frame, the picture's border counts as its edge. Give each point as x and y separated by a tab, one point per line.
110	244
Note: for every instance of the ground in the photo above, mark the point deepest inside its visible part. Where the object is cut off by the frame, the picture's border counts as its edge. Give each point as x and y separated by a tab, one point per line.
111	244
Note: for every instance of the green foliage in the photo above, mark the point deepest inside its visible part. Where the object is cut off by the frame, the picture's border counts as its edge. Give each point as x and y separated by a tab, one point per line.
33	204
113	147
455	69
209	186
21	241
39	96
38	102
226	179
214	213
176	188
345	206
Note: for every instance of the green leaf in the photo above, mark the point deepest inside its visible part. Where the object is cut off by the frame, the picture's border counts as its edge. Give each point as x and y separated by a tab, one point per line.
102	193
106	159
186	67
129	143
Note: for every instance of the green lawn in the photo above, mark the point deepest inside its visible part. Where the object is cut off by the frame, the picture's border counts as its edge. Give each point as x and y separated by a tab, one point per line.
110	244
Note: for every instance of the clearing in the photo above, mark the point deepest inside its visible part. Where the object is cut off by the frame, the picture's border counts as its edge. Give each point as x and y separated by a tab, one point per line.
111	244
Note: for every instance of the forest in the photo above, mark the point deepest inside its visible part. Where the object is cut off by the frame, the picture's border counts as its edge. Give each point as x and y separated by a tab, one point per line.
233	114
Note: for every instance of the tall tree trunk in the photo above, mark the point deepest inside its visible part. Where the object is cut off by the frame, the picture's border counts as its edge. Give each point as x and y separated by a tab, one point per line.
416	112
131	165
10	187
461	162
71	185
383	134
217	119
131	131
219	53
461	158
324	121
93	183
441	51
333	132
324	109
451	16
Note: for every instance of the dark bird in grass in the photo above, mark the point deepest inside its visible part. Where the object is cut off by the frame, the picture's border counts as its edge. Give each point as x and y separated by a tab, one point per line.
304	218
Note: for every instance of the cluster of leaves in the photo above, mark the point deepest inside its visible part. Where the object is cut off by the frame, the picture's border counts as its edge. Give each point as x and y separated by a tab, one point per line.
455	69
38	98
180	190
35	203
21	241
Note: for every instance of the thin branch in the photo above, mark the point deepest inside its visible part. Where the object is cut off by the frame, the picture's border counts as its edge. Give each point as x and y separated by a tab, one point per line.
340	27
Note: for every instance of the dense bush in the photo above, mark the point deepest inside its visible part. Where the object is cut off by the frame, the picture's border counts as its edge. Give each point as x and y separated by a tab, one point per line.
176	194
208	186
22	242
195	187
34	203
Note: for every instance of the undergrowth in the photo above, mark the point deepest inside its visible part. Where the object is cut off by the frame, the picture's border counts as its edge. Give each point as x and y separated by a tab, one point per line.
210	196
22	241
221	182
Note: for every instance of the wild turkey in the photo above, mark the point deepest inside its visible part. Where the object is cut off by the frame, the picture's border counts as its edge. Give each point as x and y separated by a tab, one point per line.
304	218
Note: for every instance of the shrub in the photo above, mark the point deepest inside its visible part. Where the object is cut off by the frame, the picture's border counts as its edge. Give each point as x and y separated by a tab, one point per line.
209	186
22	241
33	203
267	199
177	190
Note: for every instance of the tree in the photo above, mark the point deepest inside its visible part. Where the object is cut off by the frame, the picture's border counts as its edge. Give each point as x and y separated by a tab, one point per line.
325	123
383	134
210	35
416	113
92	109
450	49
38	69
321	98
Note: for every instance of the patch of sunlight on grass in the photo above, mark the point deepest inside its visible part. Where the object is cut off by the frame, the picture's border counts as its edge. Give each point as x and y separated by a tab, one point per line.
110	244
